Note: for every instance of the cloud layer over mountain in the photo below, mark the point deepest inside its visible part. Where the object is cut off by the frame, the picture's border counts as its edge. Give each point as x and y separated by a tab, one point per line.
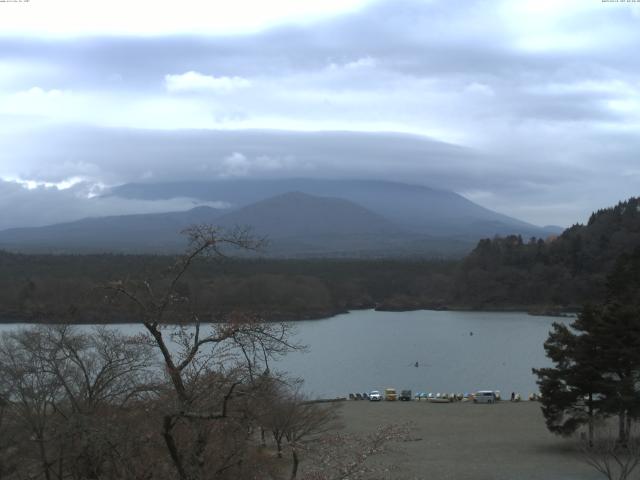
530	108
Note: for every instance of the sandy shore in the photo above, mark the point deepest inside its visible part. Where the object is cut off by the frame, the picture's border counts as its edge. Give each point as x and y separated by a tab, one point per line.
506	441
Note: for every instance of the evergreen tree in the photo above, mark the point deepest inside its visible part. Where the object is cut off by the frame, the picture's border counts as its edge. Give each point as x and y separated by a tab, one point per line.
618	337
597	359
571	391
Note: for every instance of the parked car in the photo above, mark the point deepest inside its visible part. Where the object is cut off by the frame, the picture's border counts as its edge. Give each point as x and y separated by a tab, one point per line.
484	396
405	396
375	396
390	394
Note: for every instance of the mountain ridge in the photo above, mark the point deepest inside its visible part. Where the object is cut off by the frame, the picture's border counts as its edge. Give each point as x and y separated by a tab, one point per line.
297	225
391	219
421	208
160	231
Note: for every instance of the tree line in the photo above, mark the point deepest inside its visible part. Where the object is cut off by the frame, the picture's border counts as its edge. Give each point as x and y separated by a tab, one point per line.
563	272
539	275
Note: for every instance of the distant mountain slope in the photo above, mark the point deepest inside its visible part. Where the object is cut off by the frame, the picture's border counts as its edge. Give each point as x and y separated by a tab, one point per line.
422	209
157	232
298	214
296	225
302	225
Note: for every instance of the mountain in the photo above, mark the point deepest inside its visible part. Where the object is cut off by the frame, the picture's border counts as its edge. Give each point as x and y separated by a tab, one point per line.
417	208
296	214
295	224
316	218
158	233
302	225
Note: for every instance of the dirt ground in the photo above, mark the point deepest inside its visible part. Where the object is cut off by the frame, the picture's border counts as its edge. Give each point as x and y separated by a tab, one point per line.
505	441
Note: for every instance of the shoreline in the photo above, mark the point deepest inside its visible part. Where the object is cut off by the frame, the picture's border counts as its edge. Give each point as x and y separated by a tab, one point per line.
529	310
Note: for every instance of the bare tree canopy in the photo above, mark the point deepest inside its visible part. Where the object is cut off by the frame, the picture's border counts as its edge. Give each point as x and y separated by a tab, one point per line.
187	398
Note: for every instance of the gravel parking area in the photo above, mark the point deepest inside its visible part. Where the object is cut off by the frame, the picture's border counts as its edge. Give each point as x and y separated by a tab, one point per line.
505	441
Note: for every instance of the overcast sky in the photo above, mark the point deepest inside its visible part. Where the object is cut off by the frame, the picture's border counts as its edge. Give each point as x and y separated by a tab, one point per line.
531	108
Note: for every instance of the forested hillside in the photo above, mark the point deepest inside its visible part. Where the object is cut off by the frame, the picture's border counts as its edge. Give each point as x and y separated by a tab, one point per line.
71	287
539	275
563	271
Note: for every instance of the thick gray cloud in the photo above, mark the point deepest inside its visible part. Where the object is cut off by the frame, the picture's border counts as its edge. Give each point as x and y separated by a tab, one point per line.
115	156
531	108
96	158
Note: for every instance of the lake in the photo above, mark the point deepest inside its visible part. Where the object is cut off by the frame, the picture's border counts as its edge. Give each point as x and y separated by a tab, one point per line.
455	351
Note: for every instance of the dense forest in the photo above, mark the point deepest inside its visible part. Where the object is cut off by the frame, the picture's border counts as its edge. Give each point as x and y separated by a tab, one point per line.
540	275
566	271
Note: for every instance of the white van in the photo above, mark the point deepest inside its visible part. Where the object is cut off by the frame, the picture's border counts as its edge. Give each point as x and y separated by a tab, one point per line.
484	396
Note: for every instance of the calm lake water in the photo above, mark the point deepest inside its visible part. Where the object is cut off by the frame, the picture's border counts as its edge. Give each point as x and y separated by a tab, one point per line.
455	351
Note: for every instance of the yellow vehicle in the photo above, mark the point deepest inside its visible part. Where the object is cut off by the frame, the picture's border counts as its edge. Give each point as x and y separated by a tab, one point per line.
390	394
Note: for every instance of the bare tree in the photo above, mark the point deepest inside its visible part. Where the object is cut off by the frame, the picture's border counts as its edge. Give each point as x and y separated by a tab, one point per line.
310	431
211	369
182	400
309	420
339	456
293	419
613	459
102	374
32	395
6	445
64	394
